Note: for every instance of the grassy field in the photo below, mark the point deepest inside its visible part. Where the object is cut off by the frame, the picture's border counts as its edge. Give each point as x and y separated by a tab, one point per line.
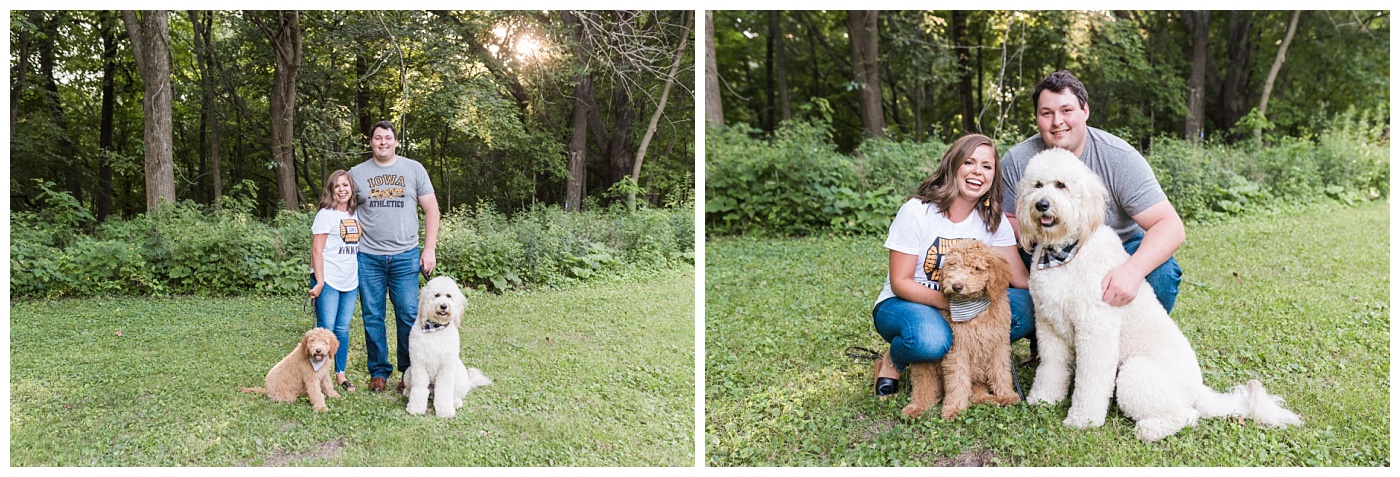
1300	301
596	375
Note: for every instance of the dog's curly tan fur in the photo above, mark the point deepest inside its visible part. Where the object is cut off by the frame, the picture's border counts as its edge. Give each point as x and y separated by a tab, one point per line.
294	376
978	365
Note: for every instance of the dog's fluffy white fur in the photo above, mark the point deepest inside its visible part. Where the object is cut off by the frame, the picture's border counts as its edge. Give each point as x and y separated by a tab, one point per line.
1136	347
434	348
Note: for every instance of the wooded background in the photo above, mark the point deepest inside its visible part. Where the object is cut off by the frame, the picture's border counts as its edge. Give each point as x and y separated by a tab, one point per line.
124	109
940	74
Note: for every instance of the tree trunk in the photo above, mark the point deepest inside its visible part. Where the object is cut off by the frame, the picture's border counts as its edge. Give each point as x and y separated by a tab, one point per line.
770	88
656	116
958	25
865	49
714	108
22	69
286	46
150	44
1197	23
203	37
71	168
362	104
1232	98
576	182
578	145
1278	63
780	64
107	27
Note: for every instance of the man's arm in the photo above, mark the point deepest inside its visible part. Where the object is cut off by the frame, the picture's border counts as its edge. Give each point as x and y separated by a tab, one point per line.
1163	234
430	231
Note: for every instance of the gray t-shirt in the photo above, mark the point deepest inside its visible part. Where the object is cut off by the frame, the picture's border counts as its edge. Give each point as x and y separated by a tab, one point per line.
388	197
1129	179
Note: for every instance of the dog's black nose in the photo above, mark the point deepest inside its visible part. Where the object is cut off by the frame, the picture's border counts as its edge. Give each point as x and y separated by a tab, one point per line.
1042	205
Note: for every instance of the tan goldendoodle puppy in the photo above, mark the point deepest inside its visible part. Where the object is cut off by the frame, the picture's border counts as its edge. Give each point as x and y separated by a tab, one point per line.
306	371
435	347
978	364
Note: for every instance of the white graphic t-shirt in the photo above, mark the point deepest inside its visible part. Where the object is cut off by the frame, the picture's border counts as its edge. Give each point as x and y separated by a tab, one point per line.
341	249
923	231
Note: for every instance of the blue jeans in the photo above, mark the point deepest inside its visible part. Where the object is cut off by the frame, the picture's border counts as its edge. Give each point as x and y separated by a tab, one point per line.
917	333
1165	279
397	276
334	309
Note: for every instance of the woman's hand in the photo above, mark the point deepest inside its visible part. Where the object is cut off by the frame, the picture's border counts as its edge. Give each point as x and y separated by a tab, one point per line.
316	290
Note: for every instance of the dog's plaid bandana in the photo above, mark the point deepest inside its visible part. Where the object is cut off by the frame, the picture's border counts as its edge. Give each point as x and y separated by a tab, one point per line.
429	326
316	365
1050	258
967	309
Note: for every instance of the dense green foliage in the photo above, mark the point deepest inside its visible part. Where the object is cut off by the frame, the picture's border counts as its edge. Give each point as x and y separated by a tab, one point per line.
1134	64
483	99
599	374
1298	299
187	248
796	183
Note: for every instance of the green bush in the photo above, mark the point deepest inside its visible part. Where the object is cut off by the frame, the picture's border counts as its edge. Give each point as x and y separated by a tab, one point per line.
796	184
187	249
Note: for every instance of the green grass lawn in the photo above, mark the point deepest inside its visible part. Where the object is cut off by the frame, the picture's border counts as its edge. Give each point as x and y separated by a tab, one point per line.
1300	301
596	375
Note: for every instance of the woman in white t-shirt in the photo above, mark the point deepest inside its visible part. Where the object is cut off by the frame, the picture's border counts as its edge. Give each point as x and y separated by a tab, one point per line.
960	201
335	279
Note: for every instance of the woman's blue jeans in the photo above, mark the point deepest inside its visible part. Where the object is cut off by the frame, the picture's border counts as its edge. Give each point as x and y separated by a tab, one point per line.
334	310
394	276
917	333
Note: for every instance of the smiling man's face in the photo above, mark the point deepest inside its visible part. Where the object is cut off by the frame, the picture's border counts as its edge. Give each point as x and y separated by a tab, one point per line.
1060	119
382	144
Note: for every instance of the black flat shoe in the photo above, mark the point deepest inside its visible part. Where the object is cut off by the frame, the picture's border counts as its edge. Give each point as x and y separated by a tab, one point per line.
886	387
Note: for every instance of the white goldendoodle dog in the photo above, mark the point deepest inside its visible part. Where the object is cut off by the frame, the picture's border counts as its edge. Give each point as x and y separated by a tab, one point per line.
1061	210
434	348
306	371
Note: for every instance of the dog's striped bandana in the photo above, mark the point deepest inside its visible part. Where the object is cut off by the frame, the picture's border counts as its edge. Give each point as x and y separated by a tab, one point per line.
965	310
316	365
429	326
1050	258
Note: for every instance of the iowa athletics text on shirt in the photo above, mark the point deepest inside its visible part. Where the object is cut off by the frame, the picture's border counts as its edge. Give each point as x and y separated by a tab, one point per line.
385	191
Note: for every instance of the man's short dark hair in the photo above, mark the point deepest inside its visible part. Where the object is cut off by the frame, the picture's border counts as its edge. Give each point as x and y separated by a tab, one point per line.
1057	82
383	125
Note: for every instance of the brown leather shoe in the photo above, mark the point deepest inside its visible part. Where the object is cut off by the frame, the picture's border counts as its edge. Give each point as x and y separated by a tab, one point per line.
376	384
401	386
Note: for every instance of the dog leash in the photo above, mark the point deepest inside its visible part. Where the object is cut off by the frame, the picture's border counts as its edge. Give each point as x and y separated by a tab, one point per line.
867	354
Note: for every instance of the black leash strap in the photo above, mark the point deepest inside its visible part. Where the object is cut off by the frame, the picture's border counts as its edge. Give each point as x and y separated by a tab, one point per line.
867	354
1016	378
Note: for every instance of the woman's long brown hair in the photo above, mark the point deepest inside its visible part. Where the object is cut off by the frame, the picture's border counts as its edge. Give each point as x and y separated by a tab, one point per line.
940	188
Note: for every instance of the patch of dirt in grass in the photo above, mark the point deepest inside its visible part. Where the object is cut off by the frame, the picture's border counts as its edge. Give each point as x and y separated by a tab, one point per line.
323	450
968	459
875	429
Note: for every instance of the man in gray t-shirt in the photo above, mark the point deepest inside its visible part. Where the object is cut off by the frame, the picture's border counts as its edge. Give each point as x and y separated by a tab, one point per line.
390	189
1140	213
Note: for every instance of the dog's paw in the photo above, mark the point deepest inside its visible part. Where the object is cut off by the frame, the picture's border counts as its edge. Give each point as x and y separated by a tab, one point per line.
951	412
913	411
321	408
417	409
446	412
1082	422
1036	400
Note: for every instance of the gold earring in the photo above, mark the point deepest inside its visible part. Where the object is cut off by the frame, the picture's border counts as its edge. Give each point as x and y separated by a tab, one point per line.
987	202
